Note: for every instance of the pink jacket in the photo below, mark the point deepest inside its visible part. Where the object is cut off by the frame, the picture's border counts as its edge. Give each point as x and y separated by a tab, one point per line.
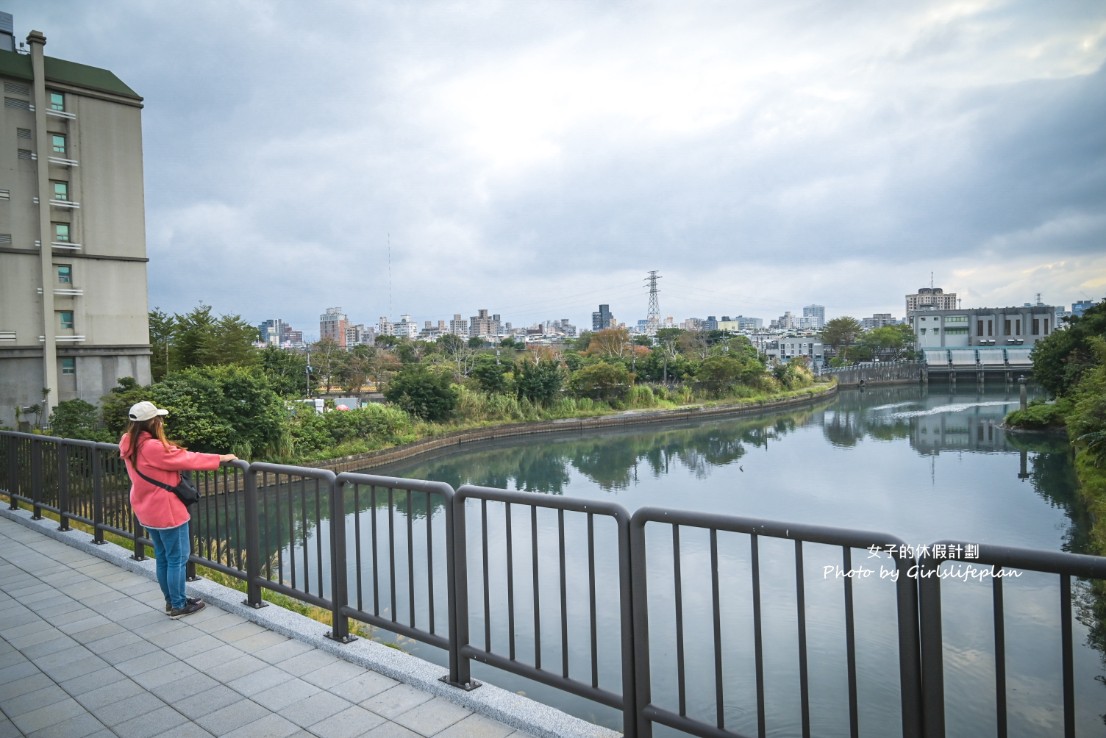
153	506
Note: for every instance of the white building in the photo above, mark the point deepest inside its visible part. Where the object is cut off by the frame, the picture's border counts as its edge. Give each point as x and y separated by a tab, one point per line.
74	316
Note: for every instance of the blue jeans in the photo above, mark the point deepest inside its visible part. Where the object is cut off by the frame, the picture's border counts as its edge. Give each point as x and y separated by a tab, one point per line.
172	547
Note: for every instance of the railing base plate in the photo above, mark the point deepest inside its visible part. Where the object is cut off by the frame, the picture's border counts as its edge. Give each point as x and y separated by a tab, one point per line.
258	606
347	639
467	686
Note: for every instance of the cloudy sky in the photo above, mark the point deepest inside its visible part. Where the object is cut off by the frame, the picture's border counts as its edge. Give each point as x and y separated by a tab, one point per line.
539	157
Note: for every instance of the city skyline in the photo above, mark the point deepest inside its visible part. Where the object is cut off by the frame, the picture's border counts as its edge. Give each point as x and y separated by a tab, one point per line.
540	159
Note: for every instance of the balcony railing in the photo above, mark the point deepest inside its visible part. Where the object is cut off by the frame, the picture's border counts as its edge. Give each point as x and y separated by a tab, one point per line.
643	613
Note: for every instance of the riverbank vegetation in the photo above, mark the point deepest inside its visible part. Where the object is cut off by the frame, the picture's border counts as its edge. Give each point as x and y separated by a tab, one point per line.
223	393
1071	366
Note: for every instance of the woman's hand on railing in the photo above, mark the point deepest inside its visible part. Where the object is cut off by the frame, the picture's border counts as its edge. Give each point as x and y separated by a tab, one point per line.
224	458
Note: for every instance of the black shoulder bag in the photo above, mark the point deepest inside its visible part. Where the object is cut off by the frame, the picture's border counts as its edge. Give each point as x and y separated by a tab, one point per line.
185	490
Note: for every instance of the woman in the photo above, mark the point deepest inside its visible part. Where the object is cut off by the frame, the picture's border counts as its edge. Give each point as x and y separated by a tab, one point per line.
145	449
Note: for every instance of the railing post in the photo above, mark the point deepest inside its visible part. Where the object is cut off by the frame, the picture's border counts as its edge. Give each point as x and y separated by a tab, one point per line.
97	497
339	629
13	469
253	544
139	547
640	608
933	668
190	567
460	674
63	486
36	479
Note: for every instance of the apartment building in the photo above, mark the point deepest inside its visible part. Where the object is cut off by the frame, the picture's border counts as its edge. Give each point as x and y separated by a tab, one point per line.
73	291
930	298
333	324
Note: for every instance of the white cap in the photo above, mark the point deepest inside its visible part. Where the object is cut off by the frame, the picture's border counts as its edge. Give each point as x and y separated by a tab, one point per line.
145	410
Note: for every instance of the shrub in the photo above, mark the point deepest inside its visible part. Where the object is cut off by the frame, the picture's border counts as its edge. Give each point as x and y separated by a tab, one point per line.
1038	416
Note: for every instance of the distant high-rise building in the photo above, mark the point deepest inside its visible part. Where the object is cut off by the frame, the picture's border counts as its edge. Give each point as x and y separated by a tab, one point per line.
930	298
879	320
484	325
602	319
1078	308
333	324
814	316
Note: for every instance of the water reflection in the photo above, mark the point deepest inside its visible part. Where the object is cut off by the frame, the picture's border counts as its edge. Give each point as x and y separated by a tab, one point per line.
919	464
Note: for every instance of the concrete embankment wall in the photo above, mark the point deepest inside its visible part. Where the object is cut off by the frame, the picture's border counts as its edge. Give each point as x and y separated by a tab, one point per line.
882	373
361	462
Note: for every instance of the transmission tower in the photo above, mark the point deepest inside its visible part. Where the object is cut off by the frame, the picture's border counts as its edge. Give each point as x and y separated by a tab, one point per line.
653	319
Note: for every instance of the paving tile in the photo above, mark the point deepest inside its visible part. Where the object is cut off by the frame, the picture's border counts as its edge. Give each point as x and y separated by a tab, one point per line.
91	681
60	642
110	693
363	686
239	667
34	681
390	730
348	723
395	701
207	702
307	662
432	716
77	667
45	716
313	709
334	673
270	726
149	661
120	711
78	726
478	726
152	723
118	656
45	696
232	716
205	660
287	692
17	671
278	653
258	681
172	671
178	689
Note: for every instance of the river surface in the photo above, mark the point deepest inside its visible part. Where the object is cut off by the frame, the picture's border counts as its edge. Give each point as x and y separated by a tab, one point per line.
921	464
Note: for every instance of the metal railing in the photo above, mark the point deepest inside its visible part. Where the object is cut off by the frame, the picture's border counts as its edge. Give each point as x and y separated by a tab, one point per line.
621	610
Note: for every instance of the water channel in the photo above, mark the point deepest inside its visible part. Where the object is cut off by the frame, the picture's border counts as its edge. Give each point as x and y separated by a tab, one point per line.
919	463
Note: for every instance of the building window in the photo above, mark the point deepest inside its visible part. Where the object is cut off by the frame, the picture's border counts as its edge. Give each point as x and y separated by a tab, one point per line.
65	273
68	365
57	142
1006	326
65	320
57	101
61	190
1036	327
61	232
24	133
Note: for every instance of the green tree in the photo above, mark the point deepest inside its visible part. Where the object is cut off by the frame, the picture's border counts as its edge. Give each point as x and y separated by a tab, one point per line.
78	419
327	361
841	333
718	375
200	338
539	378
1061	358
423	393
286	372
605	381
162	328
490	373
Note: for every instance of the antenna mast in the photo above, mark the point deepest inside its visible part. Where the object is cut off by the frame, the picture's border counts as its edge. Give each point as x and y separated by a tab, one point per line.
653	319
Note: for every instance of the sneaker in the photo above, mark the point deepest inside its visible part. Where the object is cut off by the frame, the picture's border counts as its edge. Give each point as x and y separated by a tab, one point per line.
188	601
188	609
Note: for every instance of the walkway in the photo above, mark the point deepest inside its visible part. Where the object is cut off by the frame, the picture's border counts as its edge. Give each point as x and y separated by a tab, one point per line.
86	649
